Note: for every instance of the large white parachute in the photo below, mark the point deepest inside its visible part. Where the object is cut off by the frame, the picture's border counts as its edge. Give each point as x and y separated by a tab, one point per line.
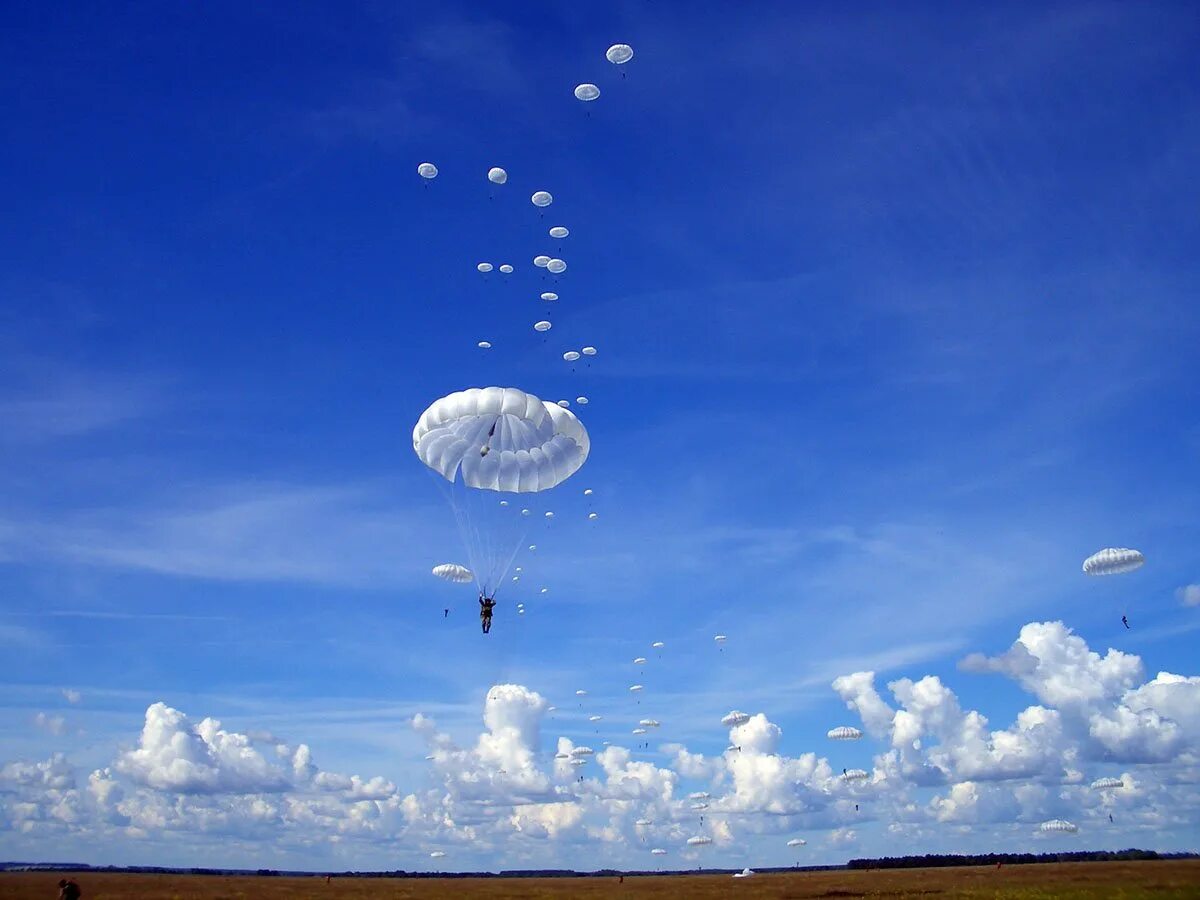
1113	561
454	572
797	842
699	840
497	439
1104	784
735	718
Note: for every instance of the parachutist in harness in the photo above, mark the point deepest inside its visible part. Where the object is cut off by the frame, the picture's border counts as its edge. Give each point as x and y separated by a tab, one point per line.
1110	818
486	605
1125	621
446	613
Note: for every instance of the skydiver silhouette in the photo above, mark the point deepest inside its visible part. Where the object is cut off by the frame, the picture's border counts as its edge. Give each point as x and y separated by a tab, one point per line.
856	807
1110	818
486	605
445	613
843	771
1124	621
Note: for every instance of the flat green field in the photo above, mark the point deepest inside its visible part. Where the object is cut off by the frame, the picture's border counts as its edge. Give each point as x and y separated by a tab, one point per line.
1174	878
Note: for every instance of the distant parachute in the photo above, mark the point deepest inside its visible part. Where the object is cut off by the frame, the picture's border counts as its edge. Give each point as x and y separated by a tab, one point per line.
658	851
582	751
484	267
485	345
635	688
454	572
619	54
650	723
571	356
856	775
506	269
641	823
595	718
657	645
581	693
543	325
549	515
1061	826
843	733
565	404
559	231
735	718
582	401
541	198
593	515
699	841
541	261
549	295
1113	561
437	854
427	170
720	638
561	755
586	92
797	842
578	762
556	266
639	660
699	795
696	807
497	175
745	873
638	731
1102	784
588	351
587	492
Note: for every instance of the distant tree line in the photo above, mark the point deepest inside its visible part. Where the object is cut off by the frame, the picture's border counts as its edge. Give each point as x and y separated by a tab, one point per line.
936	860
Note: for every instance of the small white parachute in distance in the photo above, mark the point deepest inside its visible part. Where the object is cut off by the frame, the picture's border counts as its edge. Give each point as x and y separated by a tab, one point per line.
484	267
1103	784
556	266
1113	561
437	854
561	755
549	296
587	492
731	748
550	709
696	807
484	345
544	591
500	439
581	693
565	404
638	731
582	751
524	512
658	851
504	503
430	757
635	688
454	572
797	842
619	54
497	175
843	733
516	578
734	718
593	515
578	761
657	645
559	231
1061	826
745	873
699	840
541	198
588	351
595	718
427	170
586	92
543	325
720	638
650	723
699	795
506	269
856	775
642	823
540	261
582	401
549	515
571	355
639	660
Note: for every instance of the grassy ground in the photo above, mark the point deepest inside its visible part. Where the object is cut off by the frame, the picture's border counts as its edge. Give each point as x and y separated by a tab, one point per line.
1125	880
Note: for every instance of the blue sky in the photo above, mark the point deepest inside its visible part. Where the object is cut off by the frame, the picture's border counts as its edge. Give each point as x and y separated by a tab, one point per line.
896	324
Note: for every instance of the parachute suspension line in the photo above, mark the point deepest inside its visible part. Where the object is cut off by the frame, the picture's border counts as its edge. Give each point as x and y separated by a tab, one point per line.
448	491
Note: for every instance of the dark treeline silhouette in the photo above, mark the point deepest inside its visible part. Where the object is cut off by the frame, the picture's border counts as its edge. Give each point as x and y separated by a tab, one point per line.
936	860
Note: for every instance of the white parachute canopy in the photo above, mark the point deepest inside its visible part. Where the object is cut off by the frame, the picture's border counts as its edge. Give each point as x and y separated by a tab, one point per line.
657	645
588	351
581	693
541	198
619	54
843	733
559	231
641	823
484	267
797	842
541	261
658	851
1103	784
582	751
720	638
586	92
1113	561
556	266
745	873
635	688
427	170
497	175
549	296
454	572
595	718
639	660
638	731
437	854
699	840
856	775
650	723
484	345
497	439
506	269
734	718
1061	826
